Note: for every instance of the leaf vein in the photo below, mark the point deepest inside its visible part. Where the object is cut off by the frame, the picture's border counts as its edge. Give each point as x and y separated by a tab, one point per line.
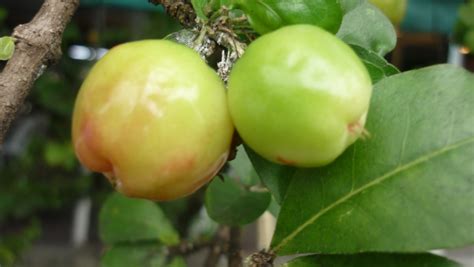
374	182
353	167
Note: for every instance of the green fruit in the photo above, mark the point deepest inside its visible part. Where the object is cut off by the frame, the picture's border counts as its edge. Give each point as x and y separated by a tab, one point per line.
299	96
268	15
394	9
153	117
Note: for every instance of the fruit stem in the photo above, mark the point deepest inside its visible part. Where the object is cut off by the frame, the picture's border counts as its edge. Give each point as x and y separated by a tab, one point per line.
365	134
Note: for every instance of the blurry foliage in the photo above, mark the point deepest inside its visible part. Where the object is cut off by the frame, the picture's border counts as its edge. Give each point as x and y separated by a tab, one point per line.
3	16
46	175
145	26
464	28
12	244
30	184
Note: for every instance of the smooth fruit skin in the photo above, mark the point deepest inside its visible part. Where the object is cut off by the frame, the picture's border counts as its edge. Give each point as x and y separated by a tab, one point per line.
299	96
269	15
153	117
394	9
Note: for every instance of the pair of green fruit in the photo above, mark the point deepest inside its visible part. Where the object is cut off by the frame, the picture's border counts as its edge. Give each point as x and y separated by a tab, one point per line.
157	121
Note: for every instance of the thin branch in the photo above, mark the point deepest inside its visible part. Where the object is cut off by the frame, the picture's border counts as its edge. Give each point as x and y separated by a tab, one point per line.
186	248
213	257
218	248
219	30
38	46
234	253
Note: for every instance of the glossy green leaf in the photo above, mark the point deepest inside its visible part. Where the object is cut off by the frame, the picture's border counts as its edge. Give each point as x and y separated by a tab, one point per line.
216	4
373	260
377	66
199	6
274	208
7	47
125	219
228	202
276	178
368	27
408	188
269	15
134	255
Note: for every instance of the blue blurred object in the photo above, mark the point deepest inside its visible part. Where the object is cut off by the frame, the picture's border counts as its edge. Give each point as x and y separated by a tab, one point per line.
132	4
434	16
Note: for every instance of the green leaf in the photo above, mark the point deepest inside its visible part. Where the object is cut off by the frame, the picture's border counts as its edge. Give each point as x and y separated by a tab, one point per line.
227	202
242	168
276	178
134	255
60	155
466	12
348	5
199	6
274	208
373	260
368	27
7	47
377	66
216	4
177	262
269	15
125	219
408	188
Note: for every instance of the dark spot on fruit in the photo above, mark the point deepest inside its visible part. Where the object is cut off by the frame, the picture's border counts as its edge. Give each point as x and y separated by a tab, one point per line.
354	128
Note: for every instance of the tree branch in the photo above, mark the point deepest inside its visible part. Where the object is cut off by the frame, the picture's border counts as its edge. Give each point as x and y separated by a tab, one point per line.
186	248
182	10
233	254
38	45
218	247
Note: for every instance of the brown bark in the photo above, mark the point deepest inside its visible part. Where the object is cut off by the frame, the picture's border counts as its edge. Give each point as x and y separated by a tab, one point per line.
218	247
182	10
38	45
234	253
